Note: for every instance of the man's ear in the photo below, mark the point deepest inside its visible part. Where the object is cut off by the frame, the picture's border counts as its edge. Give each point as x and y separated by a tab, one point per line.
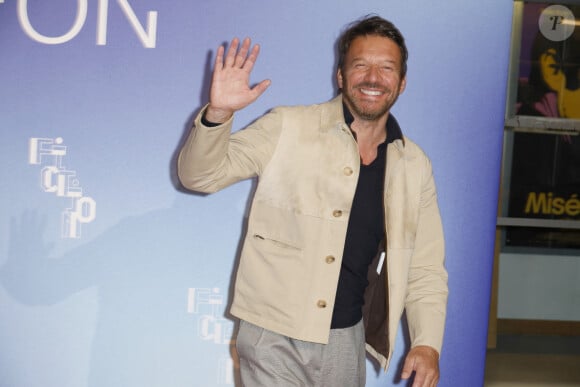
339	78
553	76
403	84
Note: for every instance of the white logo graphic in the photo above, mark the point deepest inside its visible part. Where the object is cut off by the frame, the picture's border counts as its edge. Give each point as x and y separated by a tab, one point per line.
147	36
57	179
557	23
208	304
225	371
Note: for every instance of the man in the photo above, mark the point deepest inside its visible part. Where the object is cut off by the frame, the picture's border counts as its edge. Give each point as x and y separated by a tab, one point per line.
339	188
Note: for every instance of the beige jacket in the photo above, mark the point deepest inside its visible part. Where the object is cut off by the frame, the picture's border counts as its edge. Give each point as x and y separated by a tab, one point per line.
307	162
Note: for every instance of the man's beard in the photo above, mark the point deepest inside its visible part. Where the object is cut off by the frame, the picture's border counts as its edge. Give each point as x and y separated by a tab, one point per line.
368	114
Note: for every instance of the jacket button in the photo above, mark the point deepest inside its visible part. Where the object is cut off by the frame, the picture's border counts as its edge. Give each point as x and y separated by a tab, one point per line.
348	171
337	213
321	304
330	259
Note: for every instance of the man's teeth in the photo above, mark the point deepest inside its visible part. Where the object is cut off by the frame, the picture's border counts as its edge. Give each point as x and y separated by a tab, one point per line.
370	92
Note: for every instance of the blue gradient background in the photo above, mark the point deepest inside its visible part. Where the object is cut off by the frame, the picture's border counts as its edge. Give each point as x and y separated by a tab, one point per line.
111	308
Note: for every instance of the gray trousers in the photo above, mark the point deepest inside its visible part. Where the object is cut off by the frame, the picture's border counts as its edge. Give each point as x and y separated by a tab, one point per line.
272	360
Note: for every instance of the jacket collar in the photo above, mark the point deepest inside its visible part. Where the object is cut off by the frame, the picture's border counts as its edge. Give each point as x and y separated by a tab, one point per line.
338	115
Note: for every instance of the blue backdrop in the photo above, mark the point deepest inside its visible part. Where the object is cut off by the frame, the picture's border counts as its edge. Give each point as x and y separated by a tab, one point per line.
112	276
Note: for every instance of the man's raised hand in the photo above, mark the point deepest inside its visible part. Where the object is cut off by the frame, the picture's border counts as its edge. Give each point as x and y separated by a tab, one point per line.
230	88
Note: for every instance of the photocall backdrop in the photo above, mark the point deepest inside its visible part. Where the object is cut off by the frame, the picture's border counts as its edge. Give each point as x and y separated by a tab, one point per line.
110	274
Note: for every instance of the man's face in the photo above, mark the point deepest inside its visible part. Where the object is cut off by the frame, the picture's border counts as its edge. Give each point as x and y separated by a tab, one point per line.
370	77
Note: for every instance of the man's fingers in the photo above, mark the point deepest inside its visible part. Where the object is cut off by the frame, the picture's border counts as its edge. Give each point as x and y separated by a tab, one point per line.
424	362
232	51
408	367
251	60
219	58
425	378
237	56
242	53
261	88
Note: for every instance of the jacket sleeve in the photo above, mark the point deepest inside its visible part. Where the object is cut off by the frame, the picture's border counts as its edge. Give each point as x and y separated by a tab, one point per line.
213	158
426	300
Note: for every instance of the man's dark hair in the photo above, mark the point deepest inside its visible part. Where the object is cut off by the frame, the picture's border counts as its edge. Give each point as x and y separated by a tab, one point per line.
372	25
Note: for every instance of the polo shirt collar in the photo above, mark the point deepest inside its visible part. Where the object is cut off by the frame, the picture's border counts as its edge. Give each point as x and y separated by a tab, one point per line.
393	129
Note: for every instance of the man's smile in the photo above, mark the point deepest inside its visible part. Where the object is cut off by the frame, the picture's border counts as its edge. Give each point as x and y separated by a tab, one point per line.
371	92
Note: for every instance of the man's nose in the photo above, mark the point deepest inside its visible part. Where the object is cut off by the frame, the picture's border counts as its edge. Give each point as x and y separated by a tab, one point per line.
373	73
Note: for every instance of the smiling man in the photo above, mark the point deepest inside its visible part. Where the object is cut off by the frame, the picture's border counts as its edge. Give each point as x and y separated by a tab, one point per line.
344	232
